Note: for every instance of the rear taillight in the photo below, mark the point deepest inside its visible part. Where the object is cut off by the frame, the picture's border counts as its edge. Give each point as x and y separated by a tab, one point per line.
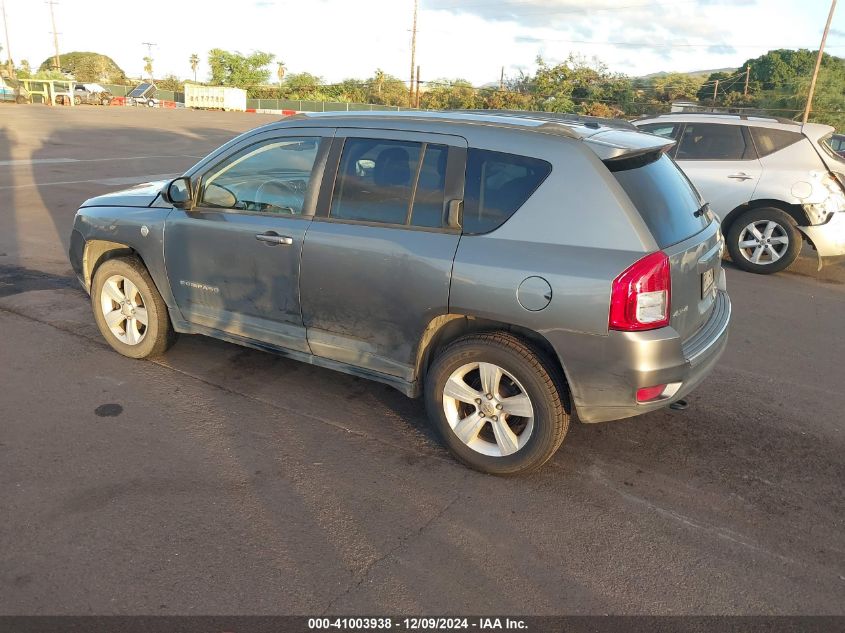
640	296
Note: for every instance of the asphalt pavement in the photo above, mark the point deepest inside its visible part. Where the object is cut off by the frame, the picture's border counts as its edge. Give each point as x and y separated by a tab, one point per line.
222	480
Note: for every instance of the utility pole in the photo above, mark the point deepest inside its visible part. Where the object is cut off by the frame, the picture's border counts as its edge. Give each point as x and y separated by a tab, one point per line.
502	79
413	56
56	60
747	75
9	61
818	63
715	90
417	95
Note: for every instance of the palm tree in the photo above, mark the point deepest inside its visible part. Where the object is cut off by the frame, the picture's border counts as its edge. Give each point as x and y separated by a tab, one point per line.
148	67
195	62
379	77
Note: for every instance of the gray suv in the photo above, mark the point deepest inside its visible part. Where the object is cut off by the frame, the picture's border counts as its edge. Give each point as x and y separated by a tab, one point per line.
514	270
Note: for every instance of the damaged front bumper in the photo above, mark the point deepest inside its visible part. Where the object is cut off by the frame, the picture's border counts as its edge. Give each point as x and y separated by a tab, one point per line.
829	238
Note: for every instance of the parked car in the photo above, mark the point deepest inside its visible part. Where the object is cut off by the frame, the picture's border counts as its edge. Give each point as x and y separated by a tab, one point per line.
13	90
773	182
837	144
92	94
508	268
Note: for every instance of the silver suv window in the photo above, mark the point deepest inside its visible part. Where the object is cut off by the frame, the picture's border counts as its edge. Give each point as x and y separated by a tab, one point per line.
770	140
391	182
713	141
497	184
270	178
666	200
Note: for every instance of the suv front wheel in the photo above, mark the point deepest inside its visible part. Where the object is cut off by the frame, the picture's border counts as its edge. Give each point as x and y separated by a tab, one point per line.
764	241
500	407
129	310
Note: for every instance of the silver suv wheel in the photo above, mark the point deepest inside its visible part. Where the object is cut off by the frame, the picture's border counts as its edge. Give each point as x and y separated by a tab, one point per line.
124	310
763	242
488	409
499	404
129	310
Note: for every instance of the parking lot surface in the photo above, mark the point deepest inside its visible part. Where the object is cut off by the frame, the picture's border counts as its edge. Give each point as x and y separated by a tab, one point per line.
221	480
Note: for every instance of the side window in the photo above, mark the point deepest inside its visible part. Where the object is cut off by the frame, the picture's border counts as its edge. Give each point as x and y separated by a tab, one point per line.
769	141
668	130
391	182
713	141
497	184
272	178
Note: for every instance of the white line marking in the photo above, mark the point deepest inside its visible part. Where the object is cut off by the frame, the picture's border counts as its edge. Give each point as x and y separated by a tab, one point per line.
37	161
123	180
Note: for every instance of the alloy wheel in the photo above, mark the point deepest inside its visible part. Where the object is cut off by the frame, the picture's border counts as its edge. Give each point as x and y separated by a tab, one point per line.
763	242
124	310
488	409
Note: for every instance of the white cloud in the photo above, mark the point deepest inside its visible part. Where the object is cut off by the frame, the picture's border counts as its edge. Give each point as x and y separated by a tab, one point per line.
471	39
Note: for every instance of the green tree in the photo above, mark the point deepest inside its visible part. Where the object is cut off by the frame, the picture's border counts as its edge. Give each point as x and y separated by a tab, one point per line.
378	79
446	94
88	67
195	62
235	69
673	86
171	83
24	71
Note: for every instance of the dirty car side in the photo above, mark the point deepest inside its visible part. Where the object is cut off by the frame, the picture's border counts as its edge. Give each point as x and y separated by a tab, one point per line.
377	300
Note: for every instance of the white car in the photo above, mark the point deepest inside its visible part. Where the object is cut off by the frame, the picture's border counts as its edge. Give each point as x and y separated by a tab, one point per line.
774	183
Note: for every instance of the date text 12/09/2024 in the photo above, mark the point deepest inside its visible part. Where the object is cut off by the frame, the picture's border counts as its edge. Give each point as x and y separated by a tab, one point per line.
417	624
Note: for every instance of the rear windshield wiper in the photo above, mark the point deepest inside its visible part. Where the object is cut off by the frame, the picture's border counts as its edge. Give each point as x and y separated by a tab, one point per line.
702	210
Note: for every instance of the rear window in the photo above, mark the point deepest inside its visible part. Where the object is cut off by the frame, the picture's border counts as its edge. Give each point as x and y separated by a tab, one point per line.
665	199
768	140
497	184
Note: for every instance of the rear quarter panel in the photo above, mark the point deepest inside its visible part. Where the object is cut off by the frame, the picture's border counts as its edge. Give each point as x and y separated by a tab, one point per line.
793	175
578	231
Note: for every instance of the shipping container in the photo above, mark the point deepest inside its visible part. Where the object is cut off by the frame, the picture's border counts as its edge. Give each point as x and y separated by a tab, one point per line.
215	97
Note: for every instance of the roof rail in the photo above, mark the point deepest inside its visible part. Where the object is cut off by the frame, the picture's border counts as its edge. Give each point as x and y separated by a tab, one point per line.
558	117
738	115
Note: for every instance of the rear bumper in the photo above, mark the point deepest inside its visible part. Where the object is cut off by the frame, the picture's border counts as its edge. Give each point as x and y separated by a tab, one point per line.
604	381
828	238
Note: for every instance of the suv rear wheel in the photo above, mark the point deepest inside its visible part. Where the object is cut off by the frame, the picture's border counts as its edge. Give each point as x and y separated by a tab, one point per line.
500	407
129	310
764	240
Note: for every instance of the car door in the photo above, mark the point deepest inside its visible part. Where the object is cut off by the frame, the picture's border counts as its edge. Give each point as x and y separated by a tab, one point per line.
233	261
377	260
720	160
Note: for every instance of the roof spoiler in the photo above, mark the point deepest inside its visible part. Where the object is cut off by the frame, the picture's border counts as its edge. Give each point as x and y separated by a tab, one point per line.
615	144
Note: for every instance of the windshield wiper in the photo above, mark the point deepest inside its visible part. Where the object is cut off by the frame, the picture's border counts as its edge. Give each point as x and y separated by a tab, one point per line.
702	210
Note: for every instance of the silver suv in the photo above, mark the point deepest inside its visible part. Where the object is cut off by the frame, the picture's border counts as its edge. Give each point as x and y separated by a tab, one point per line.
769	179
512	269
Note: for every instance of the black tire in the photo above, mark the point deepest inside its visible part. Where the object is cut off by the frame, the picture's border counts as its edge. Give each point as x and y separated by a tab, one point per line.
786	227
20	100
159	334
541	381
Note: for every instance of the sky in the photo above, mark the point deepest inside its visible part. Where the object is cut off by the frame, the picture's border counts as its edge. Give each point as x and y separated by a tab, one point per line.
468	39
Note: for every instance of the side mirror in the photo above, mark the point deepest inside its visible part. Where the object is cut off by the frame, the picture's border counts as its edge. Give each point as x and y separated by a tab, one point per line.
179	193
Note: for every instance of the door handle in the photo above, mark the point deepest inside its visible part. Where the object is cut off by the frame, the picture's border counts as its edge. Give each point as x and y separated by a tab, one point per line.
272	238
740	176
